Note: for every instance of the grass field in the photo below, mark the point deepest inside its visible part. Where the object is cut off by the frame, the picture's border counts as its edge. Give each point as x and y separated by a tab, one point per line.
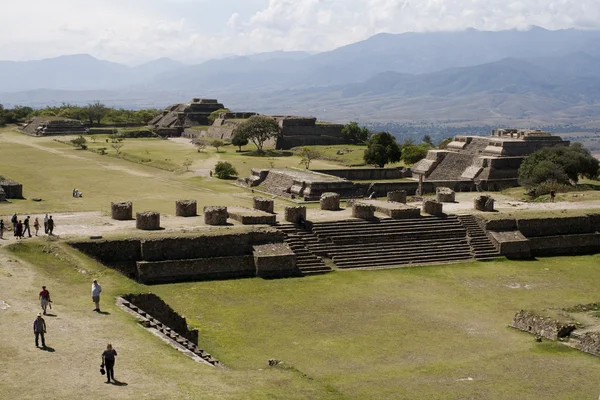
415	333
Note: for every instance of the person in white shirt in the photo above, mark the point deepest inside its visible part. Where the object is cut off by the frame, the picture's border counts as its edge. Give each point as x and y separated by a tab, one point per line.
46	224
96	290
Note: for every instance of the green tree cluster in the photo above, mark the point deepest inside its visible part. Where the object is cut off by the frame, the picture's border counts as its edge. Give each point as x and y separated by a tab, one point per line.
96	113
382	149
258	129
14	115
558	164
353	133
239	141
225	170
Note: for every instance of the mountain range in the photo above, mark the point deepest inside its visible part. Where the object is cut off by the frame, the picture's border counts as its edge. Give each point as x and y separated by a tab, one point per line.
534	75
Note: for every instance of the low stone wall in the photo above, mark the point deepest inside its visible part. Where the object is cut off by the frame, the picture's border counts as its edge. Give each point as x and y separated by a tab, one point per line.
295	214
117	254
246	216
397	196
160	310
445	195
536	227
542	326
367	174
147	221
483	203
215	216
12	189
590	343
171	271
330	201
511	244
275	261
588	243
433	207
265	205
500	225
363	211
186	208
122	211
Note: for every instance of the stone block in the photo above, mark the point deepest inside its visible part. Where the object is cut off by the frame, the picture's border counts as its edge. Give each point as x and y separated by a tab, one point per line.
330	201
122	211
484	203
215	215
433	207
147	221
295	214
12	189
275	260
445	195
363	211
265	205
397	196
186	208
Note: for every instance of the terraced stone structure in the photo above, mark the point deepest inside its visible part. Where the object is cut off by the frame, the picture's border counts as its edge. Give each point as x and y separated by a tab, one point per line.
186	208
2	194
265	205
445	195
330	201
215	215
47	126
397	196
122	211
176	118
147	221
490	163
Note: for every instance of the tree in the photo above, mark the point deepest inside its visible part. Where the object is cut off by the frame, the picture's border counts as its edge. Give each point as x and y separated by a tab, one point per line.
116	143
215	114
224	170
412	154
355	134
382	149
80	142
239	141
558	164
427	140
308	154
200	145
2	117
96	111
217	143
187	164
258	129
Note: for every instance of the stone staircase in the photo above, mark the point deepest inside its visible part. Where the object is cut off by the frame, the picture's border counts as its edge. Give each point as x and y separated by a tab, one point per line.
483	248
298	239
389	242
452	167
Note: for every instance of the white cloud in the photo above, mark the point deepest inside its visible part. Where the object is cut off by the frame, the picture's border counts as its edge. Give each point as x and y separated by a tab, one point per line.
136	30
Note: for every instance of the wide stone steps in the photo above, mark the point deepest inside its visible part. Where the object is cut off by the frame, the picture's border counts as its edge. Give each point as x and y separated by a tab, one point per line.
306	261
400	261
329	249
483	248
407	251
415	236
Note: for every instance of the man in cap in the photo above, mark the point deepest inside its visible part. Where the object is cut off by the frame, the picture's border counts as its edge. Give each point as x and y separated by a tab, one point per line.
39	329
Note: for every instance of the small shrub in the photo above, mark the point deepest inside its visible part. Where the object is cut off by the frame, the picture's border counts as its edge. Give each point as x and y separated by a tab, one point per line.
224	170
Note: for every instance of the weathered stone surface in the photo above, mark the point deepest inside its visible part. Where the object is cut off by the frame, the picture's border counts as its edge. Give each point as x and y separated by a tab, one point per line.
590	343
275	260
122	211
543	326
433	207
445	195
295	214
2	194
215	215
397	196
363	211
147	221
186	208
12	189
512	244
330	201
201	269
393	209
248	216
483	203
265	205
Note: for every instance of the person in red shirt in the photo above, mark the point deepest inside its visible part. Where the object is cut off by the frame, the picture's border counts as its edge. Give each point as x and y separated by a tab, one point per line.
44	298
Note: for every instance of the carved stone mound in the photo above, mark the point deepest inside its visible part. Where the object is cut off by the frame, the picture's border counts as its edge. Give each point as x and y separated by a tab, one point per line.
445	195
186	208
398	196
295	214
147	221
433	207
330	201
484	203
363	211
215	215
122	211
265	205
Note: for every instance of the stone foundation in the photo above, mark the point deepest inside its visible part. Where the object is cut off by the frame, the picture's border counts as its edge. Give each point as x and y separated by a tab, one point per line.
392	209
147	221
247	216
433	207
122	211
542	326
12	189
265	205
275	260
295	214
397	196
186	208
590	343
445	195
215	215
330	201
363	211
483	203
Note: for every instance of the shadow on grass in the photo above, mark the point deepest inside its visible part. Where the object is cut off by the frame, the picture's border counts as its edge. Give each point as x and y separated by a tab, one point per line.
48	349
269	153
50	315
117	383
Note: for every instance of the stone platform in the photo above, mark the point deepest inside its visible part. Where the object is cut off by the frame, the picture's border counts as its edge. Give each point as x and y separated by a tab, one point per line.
394	210
247	216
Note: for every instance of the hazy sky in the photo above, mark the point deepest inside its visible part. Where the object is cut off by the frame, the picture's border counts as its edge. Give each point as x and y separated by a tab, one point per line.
132	31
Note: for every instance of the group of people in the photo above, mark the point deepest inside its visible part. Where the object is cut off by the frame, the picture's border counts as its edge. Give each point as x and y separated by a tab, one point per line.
77	193
39	329
22	227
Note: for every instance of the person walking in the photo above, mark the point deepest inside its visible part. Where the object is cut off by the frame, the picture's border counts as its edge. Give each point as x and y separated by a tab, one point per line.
14	221
1	229
552	196
96	290
36	225
46	224
19	230
44	299
39	329
26	228
50	226
108	360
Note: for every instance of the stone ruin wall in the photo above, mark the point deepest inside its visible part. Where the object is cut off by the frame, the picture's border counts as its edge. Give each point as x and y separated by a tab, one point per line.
367	174
546	327
12	189
590	343
186	208
330	201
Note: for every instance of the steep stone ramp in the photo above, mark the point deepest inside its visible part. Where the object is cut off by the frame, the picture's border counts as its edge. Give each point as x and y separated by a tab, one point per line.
452	167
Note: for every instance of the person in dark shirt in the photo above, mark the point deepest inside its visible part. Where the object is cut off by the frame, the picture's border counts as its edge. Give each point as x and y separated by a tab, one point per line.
108	360
44	298
1	229
26	227
19	230
50	226
39	329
